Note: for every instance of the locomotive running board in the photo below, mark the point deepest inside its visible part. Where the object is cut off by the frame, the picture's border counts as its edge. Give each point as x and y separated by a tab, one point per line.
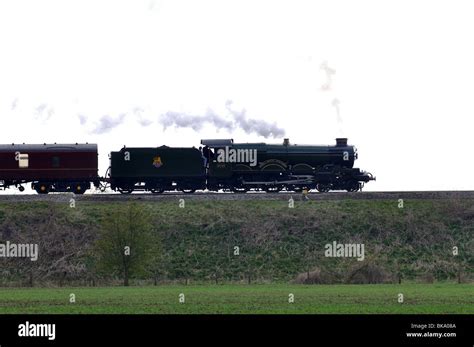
299	181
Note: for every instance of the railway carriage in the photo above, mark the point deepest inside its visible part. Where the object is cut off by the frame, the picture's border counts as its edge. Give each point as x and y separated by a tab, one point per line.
49	167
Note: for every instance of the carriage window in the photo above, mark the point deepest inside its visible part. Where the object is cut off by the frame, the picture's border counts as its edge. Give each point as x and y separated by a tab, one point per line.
55	161
23	161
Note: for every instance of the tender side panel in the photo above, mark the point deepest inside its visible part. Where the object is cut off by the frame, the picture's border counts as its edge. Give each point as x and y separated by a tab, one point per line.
161	162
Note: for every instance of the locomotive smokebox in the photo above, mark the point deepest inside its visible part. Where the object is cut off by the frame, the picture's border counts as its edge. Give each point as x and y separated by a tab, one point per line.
341	141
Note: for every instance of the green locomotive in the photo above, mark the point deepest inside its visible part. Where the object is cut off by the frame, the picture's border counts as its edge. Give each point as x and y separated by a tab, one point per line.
238	167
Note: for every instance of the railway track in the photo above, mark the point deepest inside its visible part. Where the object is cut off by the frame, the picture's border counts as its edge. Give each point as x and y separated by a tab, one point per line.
210	196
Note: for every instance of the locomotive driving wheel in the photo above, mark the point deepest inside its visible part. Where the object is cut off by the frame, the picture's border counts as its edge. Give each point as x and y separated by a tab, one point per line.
273	172
244	171
323	188
272	189
353	187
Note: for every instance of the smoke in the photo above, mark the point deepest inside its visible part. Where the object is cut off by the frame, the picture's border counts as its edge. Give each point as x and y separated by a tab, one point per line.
335	103
195	122
107	123
154	5
82	119
232	120
257	126
327	86
218	121
138	112
14	104
182	120
329	72
240	121
44	112
39	110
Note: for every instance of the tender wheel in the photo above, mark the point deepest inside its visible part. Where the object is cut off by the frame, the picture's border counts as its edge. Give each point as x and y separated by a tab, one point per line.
157	190
42	188
21	188
188	190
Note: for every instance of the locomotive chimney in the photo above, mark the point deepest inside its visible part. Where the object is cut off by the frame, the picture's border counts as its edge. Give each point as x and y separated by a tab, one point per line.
341	141
286	142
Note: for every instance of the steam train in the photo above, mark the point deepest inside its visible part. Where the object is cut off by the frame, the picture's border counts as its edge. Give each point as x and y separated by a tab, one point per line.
217	165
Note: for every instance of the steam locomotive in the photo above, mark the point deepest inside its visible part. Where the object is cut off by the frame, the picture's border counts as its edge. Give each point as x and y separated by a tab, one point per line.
217	165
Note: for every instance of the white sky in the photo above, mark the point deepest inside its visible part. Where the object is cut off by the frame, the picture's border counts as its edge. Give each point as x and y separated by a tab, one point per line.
404	76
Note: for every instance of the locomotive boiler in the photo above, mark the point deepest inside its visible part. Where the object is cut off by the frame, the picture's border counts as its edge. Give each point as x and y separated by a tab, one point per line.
282	166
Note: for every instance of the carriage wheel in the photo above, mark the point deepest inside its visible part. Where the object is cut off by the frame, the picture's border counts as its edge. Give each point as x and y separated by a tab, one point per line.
240	189
78	189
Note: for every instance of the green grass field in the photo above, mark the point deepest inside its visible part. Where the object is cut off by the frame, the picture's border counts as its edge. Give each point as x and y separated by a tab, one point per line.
249	299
